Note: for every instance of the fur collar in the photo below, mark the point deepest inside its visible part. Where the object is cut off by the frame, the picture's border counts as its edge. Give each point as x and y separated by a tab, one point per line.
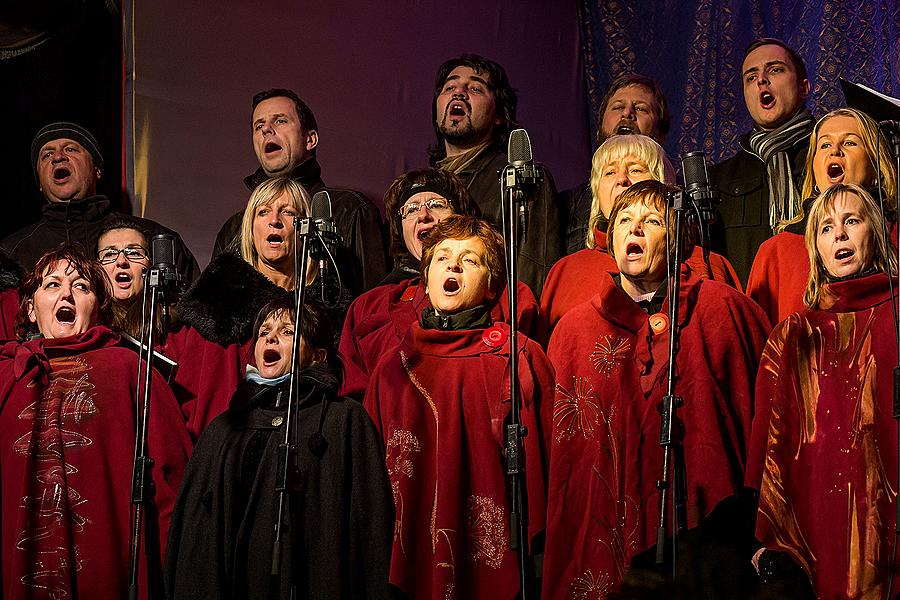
10	273
222	304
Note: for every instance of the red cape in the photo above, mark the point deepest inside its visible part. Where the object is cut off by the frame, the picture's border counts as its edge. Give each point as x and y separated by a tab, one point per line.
66	449
824	457
780	273
611	367
9	308
575	279
440	402
378	320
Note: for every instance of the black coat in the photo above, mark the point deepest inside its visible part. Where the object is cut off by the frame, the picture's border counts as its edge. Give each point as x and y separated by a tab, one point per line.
577	201
361	258
545	236
337	538
80	221
743	213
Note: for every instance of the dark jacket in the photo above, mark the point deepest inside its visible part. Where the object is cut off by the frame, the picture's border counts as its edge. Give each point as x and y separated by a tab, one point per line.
338	534
743	213
577	203
362	258
80	221
543	244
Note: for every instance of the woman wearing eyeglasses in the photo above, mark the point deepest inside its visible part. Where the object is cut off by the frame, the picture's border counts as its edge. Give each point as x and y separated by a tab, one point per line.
123	252
379	319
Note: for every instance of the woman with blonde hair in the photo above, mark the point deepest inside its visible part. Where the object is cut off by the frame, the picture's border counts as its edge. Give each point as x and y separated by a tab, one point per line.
622	160
844	148
217	312
823	453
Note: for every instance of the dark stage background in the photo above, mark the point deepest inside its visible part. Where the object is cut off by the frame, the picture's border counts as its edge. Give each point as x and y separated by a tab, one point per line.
365	69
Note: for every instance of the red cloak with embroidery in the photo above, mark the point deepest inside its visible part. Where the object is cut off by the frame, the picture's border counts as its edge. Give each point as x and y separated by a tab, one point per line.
825	456
67	414
440	402
378	320
611	363
575	279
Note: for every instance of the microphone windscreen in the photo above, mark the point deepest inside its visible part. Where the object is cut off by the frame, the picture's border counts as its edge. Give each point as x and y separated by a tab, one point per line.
519	148
163	249
321	205
693	166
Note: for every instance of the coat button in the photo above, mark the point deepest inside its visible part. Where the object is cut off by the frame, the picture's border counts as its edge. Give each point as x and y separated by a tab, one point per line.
277	421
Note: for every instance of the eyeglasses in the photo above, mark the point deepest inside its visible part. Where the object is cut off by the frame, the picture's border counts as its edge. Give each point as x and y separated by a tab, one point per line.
432	204
132	254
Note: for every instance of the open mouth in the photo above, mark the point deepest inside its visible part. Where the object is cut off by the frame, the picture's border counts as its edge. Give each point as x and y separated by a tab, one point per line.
422	235
835	172
633	250
457	109
271	356
451	286
61	173
271	147
65	315
766	100
626	128
123	278
844	254
274	238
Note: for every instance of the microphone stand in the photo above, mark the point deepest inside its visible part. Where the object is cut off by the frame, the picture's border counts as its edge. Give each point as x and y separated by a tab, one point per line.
513	199
157	282
303	228
671	436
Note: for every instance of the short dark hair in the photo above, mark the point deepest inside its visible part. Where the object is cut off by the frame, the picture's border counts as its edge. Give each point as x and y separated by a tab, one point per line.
317	330
304	113
663	121
85	266
122	222
799	65
461	227
454	190
505	97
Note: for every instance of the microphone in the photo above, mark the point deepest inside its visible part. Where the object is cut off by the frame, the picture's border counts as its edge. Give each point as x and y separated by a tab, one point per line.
696	185
327	238
163	277
892	125
521	175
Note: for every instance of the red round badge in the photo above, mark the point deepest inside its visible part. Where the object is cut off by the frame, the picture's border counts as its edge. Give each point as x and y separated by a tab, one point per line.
408	294
659	322
494	336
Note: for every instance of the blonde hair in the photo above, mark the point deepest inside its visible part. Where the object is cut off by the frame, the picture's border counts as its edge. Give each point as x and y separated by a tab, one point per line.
883	259
868	132
616	148
264	195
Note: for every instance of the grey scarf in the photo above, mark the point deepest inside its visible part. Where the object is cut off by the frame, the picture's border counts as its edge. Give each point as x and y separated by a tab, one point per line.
771	147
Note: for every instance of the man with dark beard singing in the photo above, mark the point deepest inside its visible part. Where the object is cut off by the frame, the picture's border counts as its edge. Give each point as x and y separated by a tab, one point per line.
473	112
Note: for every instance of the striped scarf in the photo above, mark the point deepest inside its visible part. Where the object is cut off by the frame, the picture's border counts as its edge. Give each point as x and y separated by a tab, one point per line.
771	147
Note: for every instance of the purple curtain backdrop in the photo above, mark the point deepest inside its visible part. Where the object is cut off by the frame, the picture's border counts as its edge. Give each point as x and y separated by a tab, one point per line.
367	72
694	49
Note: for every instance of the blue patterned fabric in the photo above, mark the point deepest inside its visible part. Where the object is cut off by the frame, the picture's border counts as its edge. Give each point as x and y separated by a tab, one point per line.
694	50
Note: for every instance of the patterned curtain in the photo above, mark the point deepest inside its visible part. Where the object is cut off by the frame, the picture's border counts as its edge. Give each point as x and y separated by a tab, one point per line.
694	49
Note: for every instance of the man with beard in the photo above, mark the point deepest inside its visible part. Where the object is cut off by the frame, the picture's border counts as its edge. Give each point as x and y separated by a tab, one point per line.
285	137
633	104
474	110
760	184
67	166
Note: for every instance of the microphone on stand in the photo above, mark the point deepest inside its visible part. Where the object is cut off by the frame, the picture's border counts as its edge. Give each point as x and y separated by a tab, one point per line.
326	248
696	185
164	276
520	175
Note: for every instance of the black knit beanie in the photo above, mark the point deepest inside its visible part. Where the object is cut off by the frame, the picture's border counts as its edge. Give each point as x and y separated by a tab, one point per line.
64	129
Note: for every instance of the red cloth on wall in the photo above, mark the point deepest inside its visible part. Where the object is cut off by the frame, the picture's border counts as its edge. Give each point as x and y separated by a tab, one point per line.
575	279
67	415
378	320
824	457
611	363
440	402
